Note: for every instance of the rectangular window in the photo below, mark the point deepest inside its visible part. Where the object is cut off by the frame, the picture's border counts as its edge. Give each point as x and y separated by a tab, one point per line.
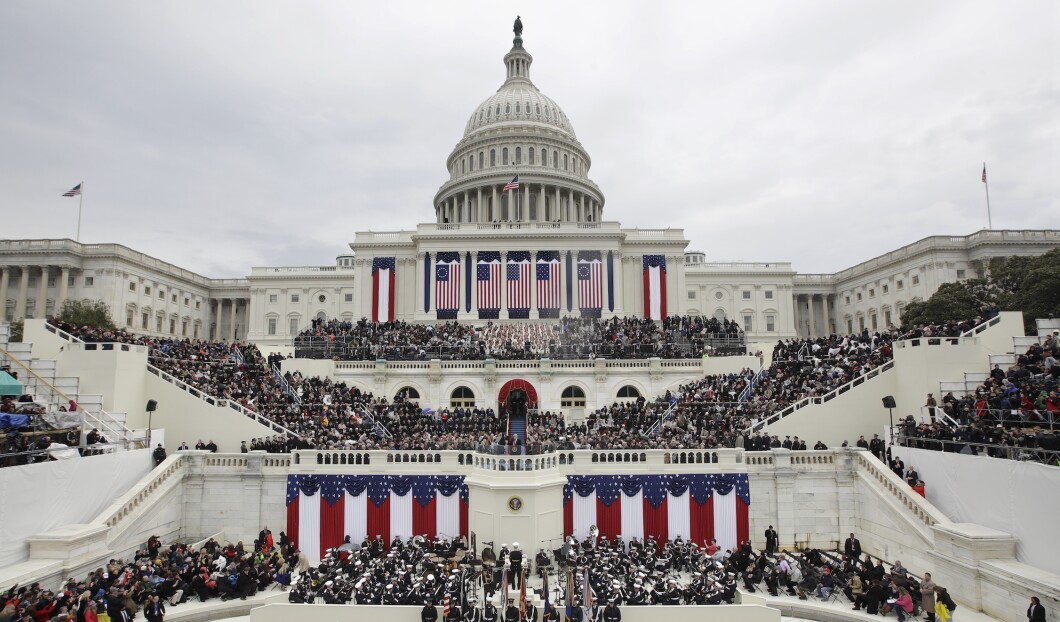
747	323
746	294
873	318
184	328
147	290
771	323
272	326
172	327
859	296
349	297
861	323
161	295
52	279
848	299
294	297
916	279
197	304
899	284
90	281
960	274
143	321
129	318
132	287
530	155
174	299
691	294
187	301
850	326
158	324
196	332
769	294
273	298
294	326
886	288
872	293
887	317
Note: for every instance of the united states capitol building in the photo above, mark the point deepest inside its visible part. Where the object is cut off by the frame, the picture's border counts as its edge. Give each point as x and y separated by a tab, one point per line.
544	249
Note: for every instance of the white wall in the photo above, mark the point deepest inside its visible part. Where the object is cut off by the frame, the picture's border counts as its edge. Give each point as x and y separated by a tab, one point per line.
39	497
188	419
1021	498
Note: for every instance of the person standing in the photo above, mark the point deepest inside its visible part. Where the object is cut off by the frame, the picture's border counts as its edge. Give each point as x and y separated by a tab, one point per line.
155	611
516	558
852	547
927	597
1035	613
159	454
931	404
771	541
429	613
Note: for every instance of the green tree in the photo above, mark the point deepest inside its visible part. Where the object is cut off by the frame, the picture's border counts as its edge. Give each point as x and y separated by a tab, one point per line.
954	301
93	313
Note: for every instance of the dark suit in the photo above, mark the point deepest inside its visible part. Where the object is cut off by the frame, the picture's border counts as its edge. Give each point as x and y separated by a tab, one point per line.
852	548
1036	613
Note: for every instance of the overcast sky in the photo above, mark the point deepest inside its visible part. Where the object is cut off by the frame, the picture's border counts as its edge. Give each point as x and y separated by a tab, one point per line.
225	135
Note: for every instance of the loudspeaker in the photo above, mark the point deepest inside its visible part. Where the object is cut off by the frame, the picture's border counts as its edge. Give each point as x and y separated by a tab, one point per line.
888	402
152	405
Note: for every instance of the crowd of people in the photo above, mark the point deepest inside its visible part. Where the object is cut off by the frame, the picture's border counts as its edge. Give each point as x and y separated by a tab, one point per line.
157	577
620	337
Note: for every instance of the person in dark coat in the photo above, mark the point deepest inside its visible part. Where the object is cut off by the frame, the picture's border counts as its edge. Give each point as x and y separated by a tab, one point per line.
852	547
771	541
155	610
1035	613
429	613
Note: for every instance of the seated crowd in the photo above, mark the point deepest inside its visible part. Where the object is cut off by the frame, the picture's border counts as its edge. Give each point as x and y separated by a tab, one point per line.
625	337
1012	414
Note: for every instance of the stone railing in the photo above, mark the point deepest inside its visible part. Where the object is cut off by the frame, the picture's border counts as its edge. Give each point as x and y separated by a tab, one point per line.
899	491
123	511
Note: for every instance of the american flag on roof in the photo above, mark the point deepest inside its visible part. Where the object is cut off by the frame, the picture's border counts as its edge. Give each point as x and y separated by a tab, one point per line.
76	190
512	185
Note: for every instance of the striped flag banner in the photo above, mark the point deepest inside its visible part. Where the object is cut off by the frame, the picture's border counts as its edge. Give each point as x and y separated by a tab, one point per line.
518	281
447	285
488	280
548	284
655	287
383	289
590	283
323	509
697	507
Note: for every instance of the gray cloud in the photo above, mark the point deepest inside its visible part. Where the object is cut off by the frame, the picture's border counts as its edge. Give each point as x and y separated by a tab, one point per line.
220	136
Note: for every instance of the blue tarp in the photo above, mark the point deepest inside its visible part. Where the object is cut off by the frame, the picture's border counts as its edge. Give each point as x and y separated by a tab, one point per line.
8	385
13	421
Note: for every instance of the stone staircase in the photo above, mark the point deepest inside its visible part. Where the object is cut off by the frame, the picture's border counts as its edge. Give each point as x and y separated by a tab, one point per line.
40	378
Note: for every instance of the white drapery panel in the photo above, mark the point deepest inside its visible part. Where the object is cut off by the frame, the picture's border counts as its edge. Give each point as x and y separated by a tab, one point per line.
309	526
447	515
632	516
401	515
355	516
584	514
655	277
677	518
725	519
383	299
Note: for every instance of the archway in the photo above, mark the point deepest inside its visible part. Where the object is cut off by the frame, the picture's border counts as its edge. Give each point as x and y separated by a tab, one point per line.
517	384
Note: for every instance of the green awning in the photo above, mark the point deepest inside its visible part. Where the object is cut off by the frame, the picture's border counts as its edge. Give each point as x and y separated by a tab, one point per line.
8	385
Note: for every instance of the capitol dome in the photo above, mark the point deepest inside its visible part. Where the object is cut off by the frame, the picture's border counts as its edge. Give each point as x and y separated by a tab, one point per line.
518	132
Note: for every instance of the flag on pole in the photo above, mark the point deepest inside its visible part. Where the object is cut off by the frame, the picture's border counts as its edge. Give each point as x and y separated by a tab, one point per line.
512	185
522	595
587	597
984	175
548	605
76	190
504	588
570	594
446	606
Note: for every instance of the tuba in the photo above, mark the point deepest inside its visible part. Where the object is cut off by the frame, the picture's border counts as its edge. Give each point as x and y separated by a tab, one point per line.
594	534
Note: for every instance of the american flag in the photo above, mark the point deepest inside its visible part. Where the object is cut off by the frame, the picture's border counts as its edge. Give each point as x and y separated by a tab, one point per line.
548	295
488	280
590	280
76	190
984	175
518	278
587	597
512	185
447	606
447	285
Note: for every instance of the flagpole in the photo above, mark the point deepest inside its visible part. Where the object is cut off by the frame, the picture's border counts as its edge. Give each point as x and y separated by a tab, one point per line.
80	203
989	219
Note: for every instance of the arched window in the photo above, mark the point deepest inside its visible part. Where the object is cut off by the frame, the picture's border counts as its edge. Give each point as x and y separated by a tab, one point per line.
517	107
493	157
628	392
507	108
574	165
498	110
481	159
410	393
489	113
565	162
471	163
518	155
538	108
572	397
544	157
555	159
462	397
504	156
463	166
530	155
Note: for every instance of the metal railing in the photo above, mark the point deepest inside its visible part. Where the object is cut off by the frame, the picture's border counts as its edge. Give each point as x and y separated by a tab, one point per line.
994	321
821	399
751	386
216	401
111	428
285	386
1045	455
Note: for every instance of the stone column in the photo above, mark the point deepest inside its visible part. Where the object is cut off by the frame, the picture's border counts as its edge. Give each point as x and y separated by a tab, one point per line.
222	330
584	216
824	310
785	498
796	313
478	205
415	274
23	290
64	288
564	216
526	203
619	281
5	276
42	294
495	216
681	301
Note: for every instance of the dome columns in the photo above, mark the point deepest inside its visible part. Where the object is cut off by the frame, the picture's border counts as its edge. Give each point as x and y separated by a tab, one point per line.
532	202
